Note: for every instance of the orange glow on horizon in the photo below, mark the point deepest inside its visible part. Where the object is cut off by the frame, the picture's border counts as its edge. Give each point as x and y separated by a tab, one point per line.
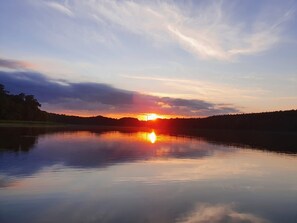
139	116
150	117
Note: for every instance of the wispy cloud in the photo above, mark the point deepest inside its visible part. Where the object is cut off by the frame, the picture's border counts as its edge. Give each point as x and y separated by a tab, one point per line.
204	89
60	7
98	98
207	30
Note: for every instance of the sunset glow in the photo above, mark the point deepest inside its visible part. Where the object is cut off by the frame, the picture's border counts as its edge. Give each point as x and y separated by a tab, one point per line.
151	117
151	58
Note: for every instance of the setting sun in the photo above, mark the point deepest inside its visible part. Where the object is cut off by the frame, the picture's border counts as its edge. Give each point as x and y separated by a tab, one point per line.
151	117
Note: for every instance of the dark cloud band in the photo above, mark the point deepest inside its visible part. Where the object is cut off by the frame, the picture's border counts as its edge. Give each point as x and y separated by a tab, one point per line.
101	98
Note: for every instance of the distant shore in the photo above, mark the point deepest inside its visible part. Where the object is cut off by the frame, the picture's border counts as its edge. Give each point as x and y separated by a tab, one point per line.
24	110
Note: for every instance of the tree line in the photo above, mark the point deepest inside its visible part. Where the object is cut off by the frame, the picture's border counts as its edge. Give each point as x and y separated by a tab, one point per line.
27	108
266	121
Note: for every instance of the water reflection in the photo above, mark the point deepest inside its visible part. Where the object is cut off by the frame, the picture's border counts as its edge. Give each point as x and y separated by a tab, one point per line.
152	137
101	148
86	149
218	214
130	176
24	139
17	139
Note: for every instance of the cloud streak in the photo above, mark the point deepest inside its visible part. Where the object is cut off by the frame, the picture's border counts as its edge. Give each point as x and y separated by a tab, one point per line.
207	31
62	8
98	98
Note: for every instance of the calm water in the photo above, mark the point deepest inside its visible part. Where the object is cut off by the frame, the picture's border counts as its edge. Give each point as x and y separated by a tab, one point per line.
49	175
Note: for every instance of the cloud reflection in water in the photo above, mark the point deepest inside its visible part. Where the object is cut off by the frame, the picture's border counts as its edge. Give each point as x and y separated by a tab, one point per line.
220	214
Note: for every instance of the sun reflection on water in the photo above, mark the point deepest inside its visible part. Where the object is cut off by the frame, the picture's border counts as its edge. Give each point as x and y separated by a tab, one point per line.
152	137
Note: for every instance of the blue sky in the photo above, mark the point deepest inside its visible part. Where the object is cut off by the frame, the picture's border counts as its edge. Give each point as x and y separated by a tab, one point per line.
171	56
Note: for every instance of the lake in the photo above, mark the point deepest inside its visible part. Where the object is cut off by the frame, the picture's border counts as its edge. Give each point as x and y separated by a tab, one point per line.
96	175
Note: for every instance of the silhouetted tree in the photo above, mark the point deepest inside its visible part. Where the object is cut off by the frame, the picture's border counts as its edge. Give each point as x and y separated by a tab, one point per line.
20	107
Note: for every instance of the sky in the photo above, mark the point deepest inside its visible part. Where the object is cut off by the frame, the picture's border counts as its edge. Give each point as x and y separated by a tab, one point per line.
132	58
